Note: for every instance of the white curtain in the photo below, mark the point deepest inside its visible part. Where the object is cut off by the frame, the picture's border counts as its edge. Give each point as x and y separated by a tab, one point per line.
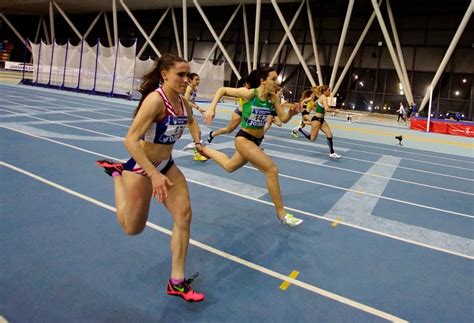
212	78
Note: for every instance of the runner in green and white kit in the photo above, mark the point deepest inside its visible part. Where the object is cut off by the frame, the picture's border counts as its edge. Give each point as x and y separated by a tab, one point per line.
259	103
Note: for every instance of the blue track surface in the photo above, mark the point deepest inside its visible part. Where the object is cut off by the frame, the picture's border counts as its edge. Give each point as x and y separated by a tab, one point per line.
401	247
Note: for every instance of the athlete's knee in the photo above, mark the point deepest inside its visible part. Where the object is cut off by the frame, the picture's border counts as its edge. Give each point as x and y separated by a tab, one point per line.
183	219
132	229
272	171
230	166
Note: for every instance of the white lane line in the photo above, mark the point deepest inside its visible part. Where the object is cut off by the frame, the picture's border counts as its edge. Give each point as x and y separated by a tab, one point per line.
341	149
46	112
323	162
246	263
392	236
53	134
73	127
274	153
357	209
338	149
392	150
301	143
309	159
86	101
71	121
369	162
223	183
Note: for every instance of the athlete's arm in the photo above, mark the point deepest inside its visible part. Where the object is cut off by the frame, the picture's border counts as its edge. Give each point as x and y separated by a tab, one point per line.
244	93
152	108
193	125
284	117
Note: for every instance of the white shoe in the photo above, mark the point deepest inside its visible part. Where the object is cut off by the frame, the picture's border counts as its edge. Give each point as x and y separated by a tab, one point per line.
190	146
294	132
290	220
335	156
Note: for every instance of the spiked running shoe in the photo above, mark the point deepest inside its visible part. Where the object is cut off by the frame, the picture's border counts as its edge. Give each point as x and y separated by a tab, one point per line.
110	166
290	220
294	134
199	157
190	146
210	137
184	291
334	156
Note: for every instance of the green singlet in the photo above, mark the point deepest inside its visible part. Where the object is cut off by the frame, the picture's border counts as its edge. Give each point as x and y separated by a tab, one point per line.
320	108
255	112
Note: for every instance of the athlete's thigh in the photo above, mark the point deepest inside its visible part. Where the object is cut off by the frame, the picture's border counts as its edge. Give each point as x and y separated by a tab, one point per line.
252	153
138	193
237	160
315	126
327	131
178	201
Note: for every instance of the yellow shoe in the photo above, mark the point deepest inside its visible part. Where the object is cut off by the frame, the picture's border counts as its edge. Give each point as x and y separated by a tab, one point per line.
199	157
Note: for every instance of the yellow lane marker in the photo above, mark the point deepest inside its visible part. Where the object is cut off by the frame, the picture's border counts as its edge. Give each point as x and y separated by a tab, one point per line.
285	284
336	221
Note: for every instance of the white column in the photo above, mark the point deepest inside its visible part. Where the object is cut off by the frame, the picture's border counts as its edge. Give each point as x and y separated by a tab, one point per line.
67	20
114	21
51	21
354	51
14	30
247	43
341	42
285	37
293	42
46	34
220	38
449	52
430	92
107	29
257	33
185	29
313	41
221	46
153	32
92	24
157	52
399	51
38	30
390	47
176	33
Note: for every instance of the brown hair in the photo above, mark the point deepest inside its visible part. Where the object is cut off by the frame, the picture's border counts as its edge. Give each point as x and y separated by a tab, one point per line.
306	94
319	90
153	79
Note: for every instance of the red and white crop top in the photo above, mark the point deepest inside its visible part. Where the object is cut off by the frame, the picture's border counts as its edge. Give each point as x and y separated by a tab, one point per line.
168	130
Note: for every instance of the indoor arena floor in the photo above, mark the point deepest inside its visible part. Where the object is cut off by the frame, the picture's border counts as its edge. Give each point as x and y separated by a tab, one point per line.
387	232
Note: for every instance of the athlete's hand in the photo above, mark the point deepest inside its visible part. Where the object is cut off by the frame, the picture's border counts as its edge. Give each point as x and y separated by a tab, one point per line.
208	116
296	108
200	149
160	184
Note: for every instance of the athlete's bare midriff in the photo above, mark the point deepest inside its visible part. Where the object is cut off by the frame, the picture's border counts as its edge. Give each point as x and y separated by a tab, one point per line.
156	152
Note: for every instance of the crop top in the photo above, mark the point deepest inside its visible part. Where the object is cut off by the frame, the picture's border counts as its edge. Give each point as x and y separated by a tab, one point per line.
169	129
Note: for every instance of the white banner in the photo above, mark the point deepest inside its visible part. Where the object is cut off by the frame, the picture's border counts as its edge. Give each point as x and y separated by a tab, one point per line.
16	66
